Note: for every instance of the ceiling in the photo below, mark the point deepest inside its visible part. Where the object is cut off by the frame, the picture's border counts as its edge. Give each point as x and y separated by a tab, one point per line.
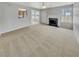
38	5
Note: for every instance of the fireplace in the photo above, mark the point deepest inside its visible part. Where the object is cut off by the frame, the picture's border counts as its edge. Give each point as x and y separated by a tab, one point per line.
53	22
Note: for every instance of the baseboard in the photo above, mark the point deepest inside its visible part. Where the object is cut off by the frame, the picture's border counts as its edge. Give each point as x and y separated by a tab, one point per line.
15	29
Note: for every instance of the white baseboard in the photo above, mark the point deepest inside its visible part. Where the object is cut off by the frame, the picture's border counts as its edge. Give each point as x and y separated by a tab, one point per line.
19	27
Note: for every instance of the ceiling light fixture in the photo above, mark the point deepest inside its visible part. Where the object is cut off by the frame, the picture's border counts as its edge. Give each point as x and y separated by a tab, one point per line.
43	5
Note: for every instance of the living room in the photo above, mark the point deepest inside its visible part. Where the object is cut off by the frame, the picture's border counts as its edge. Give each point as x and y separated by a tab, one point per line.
51	27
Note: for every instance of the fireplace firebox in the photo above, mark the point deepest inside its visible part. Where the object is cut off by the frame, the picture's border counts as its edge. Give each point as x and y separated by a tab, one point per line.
53	22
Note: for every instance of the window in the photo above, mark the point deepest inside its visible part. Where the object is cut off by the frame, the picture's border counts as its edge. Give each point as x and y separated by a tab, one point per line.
35	16
35	13
67	13
21	12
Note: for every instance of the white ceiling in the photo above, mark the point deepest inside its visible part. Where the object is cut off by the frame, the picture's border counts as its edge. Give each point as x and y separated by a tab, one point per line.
38	5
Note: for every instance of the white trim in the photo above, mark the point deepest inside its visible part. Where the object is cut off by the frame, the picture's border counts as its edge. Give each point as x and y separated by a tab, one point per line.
15	29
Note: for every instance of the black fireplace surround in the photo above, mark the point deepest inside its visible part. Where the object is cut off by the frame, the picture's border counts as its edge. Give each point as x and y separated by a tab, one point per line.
53	22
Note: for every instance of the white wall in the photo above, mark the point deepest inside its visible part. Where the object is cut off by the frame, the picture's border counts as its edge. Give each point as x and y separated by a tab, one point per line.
2	11
9	17
57	12
44	17
76	19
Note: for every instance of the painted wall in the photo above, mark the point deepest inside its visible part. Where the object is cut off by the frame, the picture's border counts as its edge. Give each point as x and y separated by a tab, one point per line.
76	19
58	12
43	17
9	17
2	12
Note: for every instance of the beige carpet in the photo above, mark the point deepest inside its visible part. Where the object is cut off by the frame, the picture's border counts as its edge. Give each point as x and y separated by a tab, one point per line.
39	41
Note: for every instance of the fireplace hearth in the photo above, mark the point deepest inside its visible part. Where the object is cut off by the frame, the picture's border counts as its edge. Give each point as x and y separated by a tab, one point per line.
53	22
